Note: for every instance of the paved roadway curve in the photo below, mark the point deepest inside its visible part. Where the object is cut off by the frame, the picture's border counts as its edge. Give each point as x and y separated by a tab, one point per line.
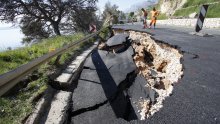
196	98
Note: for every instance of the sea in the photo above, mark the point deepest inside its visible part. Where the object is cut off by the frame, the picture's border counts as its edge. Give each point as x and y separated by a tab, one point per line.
10	37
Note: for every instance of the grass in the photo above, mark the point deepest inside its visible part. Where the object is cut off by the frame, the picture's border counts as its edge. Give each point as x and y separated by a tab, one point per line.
15	107
12	59
186	12
197	2
162	16
213	11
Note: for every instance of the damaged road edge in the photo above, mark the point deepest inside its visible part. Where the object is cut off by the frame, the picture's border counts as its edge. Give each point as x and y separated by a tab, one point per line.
159	63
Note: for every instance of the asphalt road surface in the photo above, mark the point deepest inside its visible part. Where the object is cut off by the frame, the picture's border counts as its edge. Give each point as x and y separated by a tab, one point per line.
196	98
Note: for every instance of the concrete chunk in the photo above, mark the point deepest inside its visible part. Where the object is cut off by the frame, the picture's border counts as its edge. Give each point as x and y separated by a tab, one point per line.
117	39
140	96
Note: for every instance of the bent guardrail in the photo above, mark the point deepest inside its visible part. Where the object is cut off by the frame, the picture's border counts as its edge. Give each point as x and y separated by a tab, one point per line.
11	78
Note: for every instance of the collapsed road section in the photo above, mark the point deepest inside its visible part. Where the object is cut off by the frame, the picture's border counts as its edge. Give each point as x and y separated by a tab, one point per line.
126	79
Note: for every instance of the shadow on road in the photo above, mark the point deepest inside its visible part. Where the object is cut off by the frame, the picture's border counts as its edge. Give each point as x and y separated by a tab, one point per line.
118	100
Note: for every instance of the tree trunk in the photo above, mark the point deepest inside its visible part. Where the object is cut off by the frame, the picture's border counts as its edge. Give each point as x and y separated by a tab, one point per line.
56	28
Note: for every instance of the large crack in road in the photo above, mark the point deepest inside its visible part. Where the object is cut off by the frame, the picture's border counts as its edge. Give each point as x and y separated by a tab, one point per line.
126	79
160	64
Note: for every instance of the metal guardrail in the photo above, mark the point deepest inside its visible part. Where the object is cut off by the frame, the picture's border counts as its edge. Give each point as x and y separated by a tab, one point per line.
11	78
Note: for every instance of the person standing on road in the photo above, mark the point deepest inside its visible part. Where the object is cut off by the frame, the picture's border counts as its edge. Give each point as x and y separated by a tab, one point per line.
154	14
144	17
131	16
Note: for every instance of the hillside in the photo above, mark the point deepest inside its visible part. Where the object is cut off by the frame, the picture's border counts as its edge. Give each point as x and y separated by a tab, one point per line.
184	8
168	7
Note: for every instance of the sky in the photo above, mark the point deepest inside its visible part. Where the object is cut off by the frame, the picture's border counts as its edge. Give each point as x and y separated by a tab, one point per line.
122	4
12	36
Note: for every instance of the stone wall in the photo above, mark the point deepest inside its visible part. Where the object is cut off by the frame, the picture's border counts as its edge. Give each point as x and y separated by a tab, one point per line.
209	22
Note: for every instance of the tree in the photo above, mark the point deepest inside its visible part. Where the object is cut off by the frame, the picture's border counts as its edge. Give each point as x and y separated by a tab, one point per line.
34	30
111	10
131	14
122	15
83	18
43	12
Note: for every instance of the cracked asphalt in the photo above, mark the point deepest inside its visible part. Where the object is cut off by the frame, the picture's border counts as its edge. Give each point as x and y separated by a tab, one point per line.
100	96
196	97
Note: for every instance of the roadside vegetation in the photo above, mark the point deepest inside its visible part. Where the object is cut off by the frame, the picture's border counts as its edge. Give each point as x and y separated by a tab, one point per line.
162	16
12	59
13	109
197	2
186	12
192	6
214	11
17	105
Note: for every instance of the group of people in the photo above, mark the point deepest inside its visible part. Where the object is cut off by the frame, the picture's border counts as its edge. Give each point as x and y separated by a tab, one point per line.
154	14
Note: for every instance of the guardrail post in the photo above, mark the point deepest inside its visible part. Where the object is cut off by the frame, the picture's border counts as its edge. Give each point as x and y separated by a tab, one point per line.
59	56
57	59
